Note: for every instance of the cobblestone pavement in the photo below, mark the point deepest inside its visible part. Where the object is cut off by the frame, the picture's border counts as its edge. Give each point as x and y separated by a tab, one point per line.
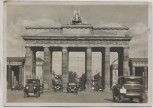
53	97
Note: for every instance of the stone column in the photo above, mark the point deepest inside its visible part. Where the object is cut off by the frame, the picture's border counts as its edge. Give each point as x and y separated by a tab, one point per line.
126	71
33	64
146	78
120	62
133	70
28	64
107	69
9	73
20	75
50	77
46	74
65	68
88	68
23	75
103	68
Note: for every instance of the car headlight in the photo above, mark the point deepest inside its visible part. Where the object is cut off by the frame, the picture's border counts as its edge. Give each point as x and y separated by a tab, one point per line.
123	90
27	87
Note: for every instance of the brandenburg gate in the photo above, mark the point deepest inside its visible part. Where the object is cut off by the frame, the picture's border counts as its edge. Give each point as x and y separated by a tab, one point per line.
76	36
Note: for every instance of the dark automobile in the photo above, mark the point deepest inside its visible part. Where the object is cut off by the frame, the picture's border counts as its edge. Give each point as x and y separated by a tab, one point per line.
17	87
32	88
72	88
99	88
41	87
81	87
57	87
128	87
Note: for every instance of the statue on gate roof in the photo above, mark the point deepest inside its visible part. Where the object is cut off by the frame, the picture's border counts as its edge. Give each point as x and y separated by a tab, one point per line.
76	17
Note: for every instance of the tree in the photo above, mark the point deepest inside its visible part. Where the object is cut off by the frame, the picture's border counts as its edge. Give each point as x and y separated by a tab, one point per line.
97	76
98	79
82	79
72	77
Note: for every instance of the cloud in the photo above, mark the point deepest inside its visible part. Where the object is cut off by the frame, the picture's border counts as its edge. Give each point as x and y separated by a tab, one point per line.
17	28
139	32
138	29
139	42
108	24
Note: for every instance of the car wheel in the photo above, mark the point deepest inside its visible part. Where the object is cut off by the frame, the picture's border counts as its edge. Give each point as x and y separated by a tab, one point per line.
121	97
25	95
38	94
131	99
114	98
140	100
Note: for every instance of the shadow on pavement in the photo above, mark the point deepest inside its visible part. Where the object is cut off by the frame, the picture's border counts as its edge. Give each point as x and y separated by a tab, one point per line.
125	101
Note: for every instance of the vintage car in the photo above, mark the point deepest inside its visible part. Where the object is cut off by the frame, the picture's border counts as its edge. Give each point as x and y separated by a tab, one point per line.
17	87
32	88
99	88
41	87
57	87
13	87
72	88
128	87
81	87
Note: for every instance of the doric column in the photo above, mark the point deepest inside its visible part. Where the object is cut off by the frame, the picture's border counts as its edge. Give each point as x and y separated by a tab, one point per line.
20	75
23	75
146	78
88	68
120	62
50	80
47	71
65	68
9	76
126	71
103	68
28	64
107	69
133	70
33	64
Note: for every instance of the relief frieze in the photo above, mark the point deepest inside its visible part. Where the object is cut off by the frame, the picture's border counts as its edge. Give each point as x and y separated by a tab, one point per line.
101	42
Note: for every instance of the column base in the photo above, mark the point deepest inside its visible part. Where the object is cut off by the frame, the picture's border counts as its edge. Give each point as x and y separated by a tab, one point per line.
47	87
64	90
88	88
107	89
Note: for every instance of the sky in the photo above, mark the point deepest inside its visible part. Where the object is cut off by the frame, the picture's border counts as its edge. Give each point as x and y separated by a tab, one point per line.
133	16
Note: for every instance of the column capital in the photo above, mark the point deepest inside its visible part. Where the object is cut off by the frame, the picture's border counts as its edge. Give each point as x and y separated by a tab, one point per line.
107	48
127	47
89	48
64	48
9	65
46	48
27	46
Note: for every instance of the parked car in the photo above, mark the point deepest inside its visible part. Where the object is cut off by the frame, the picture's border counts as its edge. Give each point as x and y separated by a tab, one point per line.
13	87
72	88
17	87
128	87
81	87
57	87
32	88
41	87
99	88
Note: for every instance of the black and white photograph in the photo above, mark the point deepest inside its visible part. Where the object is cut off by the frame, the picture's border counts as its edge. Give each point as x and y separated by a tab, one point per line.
80	53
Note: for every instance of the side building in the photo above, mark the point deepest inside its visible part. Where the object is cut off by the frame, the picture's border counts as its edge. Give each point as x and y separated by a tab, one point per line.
15	71
137	66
